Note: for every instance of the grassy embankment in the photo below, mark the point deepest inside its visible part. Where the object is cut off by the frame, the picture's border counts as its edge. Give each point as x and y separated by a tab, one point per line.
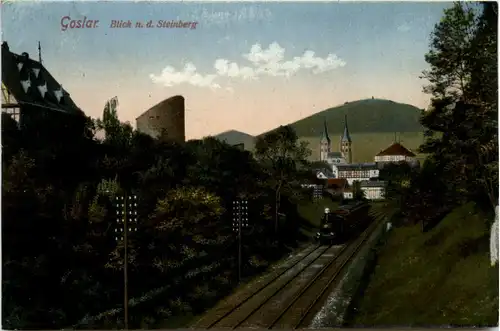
442	277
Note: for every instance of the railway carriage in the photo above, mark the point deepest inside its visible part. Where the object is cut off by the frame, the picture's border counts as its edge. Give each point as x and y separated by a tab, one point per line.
343	223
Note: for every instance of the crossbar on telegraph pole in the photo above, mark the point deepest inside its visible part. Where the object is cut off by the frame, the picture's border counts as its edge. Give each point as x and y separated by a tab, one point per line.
126	209
240	221
317	192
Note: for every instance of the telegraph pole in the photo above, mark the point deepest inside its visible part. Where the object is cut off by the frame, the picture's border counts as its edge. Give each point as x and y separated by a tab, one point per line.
317	192
240	221
126	210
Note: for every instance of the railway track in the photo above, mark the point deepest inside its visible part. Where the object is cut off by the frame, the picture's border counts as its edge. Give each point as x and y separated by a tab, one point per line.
287	297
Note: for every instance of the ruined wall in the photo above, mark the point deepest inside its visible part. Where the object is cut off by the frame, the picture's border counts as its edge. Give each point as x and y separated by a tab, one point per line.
166	120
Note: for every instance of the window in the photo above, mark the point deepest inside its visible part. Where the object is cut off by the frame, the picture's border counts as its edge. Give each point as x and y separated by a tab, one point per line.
15	113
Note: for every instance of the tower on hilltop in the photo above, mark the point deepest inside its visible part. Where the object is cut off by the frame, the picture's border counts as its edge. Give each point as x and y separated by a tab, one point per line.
346	143
325	144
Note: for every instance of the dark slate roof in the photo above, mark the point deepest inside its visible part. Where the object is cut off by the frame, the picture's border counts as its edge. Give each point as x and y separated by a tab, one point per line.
335	154
31	84
396	149
325	133
356	166
374	183
346	136
325	171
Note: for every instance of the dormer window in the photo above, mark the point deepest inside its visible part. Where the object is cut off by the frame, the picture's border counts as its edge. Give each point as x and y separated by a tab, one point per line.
43	89
20	66
36	71
59	94
26	85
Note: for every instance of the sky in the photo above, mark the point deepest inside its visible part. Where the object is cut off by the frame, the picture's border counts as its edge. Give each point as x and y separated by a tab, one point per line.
244	66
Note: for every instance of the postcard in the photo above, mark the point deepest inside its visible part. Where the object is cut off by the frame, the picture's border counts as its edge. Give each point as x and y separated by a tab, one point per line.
274	165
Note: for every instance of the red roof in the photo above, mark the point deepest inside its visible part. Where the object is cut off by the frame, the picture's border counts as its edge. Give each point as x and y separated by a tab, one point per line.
396	149
336	182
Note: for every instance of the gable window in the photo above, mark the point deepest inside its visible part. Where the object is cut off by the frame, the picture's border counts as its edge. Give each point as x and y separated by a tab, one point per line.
15	113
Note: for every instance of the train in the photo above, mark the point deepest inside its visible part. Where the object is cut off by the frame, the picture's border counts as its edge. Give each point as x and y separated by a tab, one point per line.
343	223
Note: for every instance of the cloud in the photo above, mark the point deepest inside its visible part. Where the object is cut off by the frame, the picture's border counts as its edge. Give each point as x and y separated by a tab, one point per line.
170	77
404	28
244	14
225	68
268	61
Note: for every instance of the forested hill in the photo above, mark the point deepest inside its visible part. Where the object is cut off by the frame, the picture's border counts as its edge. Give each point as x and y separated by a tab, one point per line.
363	116
234	137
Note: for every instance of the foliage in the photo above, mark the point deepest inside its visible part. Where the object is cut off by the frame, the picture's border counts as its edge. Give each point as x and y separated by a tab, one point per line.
59	221
285	160
357	192
461	137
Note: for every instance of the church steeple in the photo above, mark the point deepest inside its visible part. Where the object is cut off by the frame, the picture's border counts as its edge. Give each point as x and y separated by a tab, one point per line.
346	137
345	143
324	135
324	143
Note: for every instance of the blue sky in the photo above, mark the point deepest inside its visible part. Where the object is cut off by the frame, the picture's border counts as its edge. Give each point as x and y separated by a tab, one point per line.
377	49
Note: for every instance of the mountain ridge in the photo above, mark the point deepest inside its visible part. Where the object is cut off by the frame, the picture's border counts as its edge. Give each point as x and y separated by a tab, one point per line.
372	124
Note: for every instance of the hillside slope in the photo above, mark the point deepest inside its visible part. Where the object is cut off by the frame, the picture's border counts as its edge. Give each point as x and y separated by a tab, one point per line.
370	115
442	277
234	137
372	124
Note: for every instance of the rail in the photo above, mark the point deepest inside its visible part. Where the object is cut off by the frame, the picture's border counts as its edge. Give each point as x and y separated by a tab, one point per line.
234	315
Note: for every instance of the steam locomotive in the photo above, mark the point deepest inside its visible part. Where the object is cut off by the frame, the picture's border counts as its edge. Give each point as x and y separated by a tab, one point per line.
343	223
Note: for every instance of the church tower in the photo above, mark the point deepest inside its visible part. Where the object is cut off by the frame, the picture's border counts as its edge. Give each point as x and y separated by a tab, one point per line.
324	144
346	143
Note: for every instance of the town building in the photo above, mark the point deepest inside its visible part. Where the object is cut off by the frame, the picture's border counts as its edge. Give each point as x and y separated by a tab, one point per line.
336	186
373	190
30	93
165	120
365	173
356	171
348	194
396	153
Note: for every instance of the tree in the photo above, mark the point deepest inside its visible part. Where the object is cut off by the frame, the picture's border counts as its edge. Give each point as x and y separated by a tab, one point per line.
285	159
461	124
357	192
115	132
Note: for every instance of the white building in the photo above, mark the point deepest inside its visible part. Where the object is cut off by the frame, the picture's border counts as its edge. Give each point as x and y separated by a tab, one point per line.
335	158
356	172
396	153
348	194
373	190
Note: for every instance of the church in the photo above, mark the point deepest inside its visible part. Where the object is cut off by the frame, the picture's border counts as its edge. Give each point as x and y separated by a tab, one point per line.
341	162
366	173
